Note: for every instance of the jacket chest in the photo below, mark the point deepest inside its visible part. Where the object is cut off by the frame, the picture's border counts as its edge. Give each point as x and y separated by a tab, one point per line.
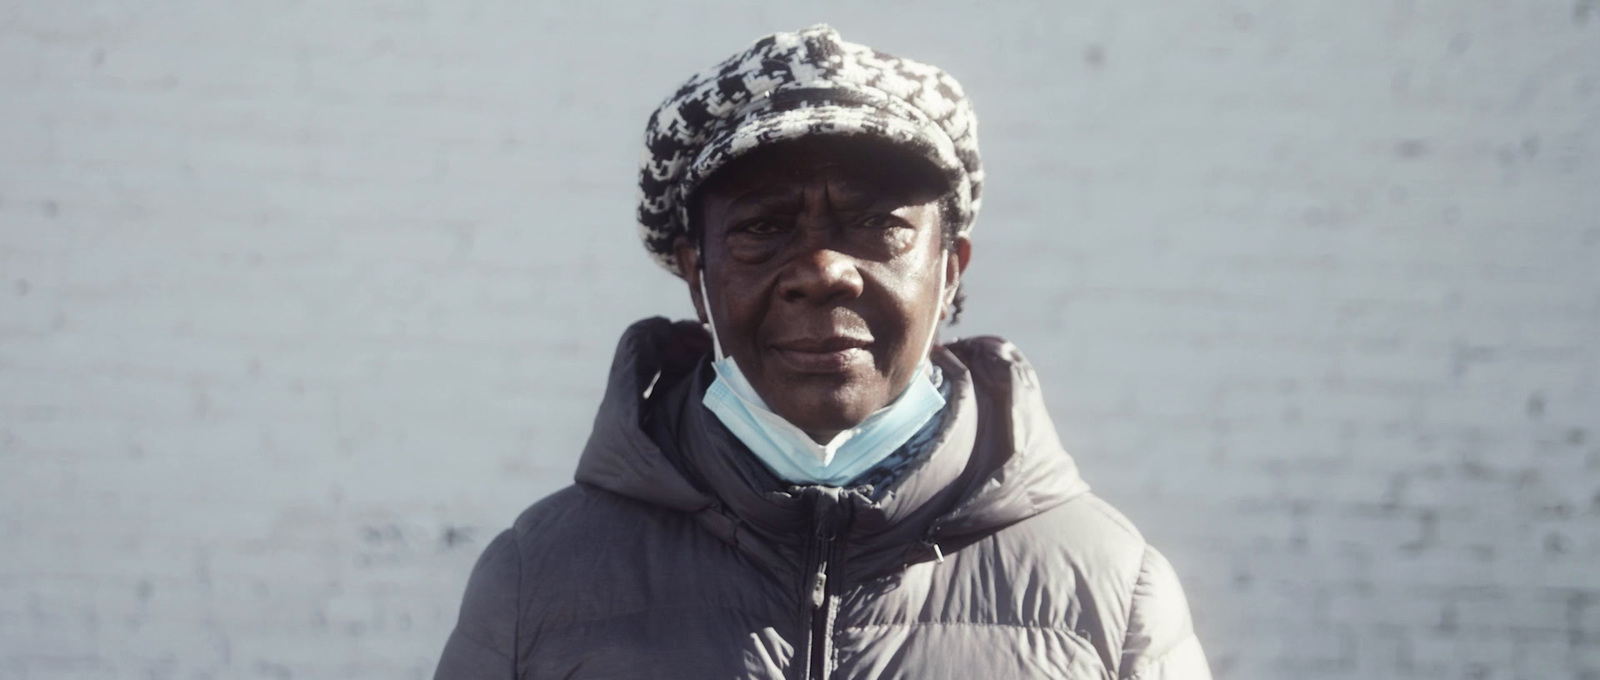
729	618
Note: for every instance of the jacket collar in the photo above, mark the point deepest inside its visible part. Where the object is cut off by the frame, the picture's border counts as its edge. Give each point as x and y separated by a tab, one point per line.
996	460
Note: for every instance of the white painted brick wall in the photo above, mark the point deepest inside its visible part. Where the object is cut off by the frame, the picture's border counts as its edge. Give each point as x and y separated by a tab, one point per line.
301	302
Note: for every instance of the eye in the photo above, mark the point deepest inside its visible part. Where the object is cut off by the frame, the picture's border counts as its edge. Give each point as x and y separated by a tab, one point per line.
880	221
760	227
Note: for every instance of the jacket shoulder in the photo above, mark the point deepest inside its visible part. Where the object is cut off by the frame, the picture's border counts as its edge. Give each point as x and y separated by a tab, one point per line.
557	509
585	536
580	514
1091	536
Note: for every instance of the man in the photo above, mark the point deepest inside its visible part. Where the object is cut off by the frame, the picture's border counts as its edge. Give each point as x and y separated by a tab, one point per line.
808	485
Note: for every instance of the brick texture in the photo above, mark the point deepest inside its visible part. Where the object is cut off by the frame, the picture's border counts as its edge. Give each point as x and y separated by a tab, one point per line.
301	302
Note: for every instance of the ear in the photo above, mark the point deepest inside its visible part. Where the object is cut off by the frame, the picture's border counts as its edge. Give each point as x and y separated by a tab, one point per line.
688	258
955	264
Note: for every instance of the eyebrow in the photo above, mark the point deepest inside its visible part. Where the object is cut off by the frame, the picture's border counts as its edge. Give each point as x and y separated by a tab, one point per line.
766	194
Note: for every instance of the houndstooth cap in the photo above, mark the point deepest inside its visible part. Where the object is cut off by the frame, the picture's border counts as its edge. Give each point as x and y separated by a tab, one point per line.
792	85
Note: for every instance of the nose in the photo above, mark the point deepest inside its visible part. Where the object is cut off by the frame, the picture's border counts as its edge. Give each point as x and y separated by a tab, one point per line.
821	275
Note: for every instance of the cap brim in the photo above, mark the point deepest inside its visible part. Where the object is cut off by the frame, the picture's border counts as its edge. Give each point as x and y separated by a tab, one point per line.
772	127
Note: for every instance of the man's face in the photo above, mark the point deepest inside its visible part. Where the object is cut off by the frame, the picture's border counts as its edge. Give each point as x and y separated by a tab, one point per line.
823	264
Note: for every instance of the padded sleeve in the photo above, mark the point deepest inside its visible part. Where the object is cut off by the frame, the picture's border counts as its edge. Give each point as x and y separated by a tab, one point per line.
1161	643
483	644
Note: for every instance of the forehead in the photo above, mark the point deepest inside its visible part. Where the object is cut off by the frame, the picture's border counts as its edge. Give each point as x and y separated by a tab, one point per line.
866	167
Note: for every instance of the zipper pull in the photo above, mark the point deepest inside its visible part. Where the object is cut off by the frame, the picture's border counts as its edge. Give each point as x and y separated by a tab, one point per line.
819	587
826	513
819	578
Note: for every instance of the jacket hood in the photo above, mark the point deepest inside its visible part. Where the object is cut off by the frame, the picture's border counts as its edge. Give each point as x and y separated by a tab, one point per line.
996	461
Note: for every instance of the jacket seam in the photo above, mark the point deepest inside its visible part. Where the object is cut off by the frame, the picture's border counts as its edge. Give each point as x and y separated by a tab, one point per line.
516	622
647	610
1062	628
516	625
488	646
1119	521
1156	662
1068	631
1127	616
482	644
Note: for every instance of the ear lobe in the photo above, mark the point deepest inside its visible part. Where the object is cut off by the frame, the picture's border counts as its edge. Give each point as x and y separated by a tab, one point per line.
953	266
693	277
963	253
956	261
688	258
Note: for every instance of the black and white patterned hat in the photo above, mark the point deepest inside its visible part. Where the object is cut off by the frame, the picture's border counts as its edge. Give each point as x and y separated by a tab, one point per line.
792	85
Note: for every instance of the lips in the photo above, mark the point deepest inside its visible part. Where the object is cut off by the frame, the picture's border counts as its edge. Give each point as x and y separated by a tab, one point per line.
835	354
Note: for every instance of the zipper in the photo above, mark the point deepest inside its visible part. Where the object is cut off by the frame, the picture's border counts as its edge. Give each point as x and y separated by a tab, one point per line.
819	600
930	543
823	608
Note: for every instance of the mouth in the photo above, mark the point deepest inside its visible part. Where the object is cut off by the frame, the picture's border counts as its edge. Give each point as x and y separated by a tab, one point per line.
836	354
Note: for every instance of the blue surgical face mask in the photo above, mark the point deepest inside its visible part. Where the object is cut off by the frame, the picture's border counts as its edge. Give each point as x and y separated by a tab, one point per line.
792	454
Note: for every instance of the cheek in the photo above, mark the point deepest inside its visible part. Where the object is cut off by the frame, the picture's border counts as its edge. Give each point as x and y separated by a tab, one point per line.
741	309
897	242
912	311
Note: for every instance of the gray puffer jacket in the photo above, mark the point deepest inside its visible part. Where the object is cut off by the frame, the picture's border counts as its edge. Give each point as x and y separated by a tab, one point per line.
679	555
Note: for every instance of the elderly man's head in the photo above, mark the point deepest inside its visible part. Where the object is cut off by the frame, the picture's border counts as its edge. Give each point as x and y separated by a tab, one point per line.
816	195
827	263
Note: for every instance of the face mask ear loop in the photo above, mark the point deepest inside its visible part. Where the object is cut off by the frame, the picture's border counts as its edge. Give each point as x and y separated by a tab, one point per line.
927	352
711	323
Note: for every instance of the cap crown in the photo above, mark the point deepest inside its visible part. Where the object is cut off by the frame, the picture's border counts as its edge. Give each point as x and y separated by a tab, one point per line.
792	85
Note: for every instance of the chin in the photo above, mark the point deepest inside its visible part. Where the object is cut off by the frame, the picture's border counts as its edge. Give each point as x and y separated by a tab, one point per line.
827	409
